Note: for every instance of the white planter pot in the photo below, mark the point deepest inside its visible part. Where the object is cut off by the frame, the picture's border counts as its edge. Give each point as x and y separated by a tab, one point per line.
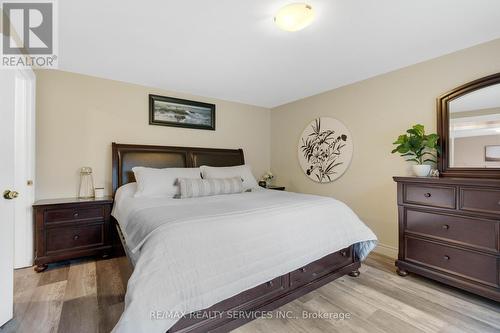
422	170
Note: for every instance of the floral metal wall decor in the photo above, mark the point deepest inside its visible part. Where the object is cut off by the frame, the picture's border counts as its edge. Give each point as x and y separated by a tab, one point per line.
325	149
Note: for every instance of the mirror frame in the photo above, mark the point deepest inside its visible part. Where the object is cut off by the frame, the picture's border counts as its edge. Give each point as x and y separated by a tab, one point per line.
443	127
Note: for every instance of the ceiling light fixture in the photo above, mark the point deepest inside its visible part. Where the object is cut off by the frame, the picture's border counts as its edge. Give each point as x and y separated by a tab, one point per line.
294	17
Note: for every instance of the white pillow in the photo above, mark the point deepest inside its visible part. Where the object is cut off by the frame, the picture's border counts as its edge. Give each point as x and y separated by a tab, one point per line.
192	188
153	182
243	171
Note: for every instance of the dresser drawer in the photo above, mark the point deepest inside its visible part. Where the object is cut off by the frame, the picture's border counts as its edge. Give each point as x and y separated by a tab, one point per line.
470	231
436	196
66	238
480	200
479	267
69	214
323	266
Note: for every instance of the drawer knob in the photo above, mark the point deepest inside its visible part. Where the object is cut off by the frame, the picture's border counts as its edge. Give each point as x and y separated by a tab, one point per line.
75	214
76	237
427	195
270	284
446	258
303	269
446	227
343	253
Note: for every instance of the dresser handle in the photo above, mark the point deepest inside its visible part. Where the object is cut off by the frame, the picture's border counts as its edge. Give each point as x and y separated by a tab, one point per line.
270	284
446	227
303	270
427	195
343	253
76	237
75	214
446	258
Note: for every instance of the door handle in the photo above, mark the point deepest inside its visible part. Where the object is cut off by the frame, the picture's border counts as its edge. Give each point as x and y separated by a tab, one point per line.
9	195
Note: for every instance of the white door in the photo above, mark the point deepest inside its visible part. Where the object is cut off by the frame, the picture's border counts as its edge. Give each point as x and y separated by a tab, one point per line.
17	110
24	167
7	158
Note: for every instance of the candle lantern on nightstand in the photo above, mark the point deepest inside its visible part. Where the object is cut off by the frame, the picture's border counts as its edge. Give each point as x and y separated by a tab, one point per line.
86	183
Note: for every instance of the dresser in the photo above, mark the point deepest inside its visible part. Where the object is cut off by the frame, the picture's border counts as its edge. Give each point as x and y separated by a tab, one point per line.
449	231
71	228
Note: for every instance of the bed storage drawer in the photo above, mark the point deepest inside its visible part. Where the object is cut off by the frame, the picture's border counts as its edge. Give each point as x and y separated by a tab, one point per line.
435	196
228	314
468	264
480	200
219	312
253	296
469	231
323	266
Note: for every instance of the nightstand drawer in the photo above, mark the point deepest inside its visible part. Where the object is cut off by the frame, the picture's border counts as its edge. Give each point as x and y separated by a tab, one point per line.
436	196
66	238
70	214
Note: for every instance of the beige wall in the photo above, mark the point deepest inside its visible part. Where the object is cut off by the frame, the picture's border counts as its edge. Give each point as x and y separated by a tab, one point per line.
376	111
79	116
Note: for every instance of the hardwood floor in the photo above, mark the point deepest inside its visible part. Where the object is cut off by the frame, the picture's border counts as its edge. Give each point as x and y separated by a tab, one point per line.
87	296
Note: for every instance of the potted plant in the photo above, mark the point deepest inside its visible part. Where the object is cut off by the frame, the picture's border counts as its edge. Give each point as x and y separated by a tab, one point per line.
416	146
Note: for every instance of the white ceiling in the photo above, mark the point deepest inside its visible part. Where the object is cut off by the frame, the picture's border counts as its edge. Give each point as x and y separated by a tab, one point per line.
231	49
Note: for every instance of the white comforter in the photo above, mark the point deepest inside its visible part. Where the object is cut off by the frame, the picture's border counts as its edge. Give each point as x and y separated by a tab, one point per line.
193	253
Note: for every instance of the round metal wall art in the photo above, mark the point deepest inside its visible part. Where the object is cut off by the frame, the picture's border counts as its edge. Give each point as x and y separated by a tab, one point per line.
325	149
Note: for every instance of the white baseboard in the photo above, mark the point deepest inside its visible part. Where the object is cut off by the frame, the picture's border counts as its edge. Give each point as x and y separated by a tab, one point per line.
386	250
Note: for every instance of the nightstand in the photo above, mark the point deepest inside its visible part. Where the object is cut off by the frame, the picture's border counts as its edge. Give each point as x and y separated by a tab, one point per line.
71	228
273	187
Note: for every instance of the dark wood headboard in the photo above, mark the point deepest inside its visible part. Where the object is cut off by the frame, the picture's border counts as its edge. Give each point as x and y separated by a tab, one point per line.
125	157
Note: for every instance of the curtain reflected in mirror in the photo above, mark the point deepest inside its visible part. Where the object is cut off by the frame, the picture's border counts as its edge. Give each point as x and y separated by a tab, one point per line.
474	129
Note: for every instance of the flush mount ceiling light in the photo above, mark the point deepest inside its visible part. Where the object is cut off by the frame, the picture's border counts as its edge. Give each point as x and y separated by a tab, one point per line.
294	17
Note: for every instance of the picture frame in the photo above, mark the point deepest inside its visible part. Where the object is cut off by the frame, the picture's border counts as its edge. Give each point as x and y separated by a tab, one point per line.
176	112
492	153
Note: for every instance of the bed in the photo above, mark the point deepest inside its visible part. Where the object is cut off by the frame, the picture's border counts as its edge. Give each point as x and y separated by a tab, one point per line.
215	263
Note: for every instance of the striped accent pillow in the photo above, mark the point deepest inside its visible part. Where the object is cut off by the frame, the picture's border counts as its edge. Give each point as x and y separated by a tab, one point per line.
195	187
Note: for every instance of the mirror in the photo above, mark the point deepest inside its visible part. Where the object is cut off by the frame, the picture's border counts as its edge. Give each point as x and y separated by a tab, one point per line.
474	133
469	128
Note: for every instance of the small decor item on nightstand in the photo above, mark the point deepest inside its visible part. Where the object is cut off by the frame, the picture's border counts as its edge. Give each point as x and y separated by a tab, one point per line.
99	192
418	147
267	178
86	183
434	173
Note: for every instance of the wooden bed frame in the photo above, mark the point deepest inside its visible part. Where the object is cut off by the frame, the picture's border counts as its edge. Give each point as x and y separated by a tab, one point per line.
252	303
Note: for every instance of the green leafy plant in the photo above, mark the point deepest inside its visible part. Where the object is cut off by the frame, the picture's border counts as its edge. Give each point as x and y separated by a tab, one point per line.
418	147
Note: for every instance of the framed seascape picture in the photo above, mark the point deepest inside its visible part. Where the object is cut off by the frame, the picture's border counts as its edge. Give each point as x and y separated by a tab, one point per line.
168	111
492	153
